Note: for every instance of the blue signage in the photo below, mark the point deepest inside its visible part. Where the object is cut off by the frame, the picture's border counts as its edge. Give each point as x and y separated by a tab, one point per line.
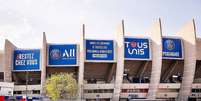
102	50
62	55
172	48
136	48
26	59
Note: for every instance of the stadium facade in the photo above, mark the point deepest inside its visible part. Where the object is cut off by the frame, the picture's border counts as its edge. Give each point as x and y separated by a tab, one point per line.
129	67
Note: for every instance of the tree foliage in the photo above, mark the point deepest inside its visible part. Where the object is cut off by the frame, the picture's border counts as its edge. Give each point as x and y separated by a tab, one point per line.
61	86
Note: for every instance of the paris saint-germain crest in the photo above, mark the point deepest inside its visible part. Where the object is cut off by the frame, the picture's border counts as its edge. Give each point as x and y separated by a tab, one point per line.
170	45
55	54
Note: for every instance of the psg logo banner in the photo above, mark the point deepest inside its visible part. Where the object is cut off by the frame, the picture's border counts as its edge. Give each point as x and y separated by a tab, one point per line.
136	48
99	50
62	55
172	48
26	59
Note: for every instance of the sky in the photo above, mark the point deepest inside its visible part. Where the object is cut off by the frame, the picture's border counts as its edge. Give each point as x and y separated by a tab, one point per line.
23	21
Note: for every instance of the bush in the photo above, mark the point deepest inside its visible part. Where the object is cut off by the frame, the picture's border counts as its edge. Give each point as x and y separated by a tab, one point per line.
61	86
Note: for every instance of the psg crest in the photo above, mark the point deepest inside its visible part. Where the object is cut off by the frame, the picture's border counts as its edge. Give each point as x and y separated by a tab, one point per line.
55	54
170	45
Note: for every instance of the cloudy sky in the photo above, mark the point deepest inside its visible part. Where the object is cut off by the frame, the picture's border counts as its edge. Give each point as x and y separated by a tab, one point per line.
23	21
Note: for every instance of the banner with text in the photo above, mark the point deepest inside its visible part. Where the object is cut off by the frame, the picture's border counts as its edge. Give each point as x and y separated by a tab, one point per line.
172	48
26	59
62	55
136	48
100	50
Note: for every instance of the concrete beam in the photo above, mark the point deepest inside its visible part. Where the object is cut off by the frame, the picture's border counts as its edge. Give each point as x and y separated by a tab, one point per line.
198	48
198	69
188	34
155	34
44	63
110	73
81	65
120	62
8	60
15	78
169	71
1	61
142	68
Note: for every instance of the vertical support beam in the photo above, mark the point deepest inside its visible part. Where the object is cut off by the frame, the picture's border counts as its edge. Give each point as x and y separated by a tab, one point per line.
1	61
81	64
8	60
111	70
142	68
120	62
197	70
44	62
156	37
168	71
188	34
198	48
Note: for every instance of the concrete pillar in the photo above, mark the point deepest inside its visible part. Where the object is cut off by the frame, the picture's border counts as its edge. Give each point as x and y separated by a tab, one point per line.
1	61
188	34
198	49
81	64
8	60
1	65
120	62
155	34
43	63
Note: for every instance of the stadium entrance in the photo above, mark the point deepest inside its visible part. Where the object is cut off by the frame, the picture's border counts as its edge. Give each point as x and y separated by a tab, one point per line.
136	79
172	68
99	81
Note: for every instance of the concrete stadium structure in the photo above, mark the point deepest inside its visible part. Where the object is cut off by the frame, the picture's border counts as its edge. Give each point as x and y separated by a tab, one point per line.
111	77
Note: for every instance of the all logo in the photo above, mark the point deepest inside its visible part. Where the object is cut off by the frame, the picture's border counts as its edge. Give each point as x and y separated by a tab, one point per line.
70	53
56	54
62	55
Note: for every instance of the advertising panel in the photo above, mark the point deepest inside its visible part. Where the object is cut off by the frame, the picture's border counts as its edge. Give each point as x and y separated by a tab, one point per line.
26	59
136	48
100	50
172	48
62	55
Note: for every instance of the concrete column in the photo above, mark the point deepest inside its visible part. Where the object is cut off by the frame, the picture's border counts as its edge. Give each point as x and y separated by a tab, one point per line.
120	62
1	61
8	60
188	34
81	64
155	34
43	63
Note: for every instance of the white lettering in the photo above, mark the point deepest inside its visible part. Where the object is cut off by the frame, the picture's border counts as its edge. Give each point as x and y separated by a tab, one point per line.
69	53
138	50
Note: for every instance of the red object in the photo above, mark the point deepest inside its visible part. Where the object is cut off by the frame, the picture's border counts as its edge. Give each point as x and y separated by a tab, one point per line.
133	44
22	99
2	98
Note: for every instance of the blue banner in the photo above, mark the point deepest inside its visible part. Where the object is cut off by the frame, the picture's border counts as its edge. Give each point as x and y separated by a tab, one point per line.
62	55
102	50
172	48
136	48
26	59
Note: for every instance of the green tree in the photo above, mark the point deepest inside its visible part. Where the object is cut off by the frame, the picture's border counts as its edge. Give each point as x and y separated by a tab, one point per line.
61	86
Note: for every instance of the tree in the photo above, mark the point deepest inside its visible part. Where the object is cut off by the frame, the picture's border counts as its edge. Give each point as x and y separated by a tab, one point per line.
61	86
